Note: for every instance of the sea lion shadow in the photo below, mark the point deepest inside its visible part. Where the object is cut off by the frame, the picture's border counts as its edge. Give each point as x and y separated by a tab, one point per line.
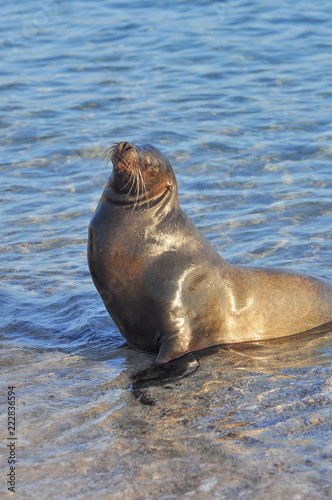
259	354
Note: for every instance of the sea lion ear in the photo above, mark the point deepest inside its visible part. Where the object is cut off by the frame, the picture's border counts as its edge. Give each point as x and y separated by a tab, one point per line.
169	186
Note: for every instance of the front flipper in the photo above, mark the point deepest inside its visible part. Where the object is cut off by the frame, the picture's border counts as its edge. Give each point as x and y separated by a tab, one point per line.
161	374
172	346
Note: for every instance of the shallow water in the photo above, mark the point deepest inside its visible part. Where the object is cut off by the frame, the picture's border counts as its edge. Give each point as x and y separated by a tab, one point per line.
238	95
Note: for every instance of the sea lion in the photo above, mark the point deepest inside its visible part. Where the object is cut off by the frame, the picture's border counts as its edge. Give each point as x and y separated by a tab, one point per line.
168	291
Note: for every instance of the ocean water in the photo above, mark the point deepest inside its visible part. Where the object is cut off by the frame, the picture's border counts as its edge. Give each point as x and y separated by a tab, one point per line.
238	95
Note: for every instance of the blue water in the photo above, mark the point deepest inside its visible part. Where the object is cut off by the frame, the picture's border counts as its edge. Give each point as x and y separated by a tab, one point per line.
238	95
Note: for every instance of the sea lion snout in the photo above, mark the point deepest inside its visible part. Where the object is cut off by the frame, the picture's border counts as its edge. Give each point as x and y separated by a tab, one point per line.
122	152
124	146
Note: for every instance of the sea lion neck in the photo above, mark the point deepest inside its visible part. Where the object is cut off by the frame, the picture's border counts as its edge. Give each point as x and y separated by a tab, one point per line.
167	200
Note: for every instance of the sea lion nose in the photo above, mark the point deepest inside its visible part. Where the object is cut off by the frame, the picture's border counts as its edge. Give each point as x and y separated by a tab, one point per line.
124	147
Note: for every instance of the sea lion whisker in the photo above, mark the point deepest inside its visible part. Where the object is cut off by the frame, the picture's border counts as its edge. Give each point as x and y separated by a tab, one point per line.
133	181
108	153
130	178
137	190
144	187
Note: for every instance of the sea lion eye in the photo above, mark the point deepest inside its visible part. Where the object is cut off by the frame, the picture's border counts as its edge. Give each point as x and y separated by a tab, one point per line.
151	163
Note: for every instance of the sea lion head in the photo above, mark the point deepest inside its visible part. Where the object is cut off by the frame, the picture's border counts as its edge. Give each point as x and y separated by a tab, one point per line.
140	174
